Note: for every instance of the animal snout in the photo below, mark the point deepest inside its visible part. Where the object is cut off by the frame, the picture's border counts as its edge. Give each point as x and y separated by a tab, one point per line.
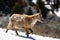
41	20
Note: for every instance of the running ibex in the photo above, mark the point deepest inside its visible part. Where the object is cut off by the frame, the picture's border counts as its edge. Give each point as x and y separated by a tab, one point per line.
18	21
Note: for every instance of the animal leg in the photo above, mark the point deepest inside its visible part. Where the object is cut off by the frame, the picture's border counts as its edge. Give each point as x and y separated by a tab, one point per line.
31	30
8	27
7	30
27	33
16	32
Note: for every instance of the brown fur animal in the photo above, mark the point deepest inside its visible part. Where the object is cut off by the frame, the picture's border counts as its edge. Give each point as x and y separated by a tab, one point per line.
17	21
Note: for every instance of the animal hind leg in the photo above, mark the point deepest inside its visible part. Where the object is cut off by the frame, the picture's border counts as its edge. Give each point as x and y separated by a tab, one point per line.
7	28
27	33
16	32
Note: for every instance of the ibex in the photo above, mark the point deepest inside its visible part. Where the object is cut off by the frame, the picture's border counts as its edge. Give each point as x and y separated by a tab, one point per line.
17	21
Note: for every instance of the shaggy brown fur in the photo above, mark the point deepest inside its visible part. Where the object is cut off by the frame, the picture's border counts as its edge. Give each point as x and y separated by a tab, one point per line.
18	21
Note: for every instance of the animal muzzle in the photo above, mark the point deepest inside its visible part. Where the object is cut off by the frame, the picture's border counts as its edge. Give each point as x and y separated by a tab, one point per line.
41	20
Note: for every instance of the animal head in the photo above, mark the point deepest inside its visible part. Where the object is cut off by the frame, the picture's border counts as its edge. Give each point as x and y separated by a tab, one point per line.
37	17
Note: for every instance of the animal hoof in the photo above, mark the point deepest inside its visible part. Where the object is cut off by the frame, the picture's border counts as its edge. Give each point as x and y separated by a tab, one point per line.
32	33
6	31
17	34
28	36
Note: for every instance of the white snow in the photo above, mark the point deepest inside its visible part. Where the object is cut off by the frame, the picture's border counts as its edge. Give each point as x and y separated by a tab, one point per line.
58	13
34	1
48	6
10	35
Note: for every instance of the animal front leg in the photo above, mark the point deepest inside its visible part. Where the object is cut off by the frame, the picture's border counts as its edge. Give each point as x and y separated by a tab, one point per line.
31	30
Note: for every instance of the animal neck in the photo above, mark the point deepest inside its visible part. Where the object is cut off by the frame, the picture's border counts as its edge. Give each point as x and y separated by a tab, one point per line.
34	22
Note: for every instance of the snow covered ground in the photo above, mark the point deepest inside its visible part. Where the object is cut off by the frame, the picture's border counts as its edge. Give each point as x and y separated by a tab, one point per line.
10	35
